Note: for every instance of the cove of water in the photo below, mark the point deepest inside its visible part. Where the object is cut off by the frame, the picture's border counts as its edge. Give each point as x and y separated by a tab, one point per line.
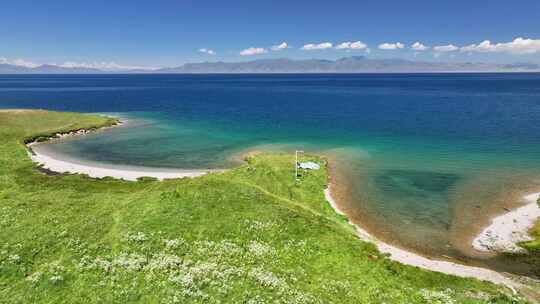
425	158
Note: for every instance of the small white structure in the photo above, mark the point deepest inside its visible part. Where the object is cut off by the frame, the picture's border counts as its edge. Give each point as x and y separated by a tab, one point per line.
309	166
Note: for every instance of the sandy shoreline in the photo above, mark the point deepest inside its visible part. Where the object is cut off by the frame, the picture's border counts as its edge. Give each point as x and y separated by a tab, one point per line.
58	164
130	174
508	229
413	259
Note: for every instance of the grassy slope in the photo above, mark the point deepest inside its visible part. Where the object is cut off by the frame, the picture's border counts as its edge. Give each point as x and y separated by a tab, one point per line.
534	245
247	235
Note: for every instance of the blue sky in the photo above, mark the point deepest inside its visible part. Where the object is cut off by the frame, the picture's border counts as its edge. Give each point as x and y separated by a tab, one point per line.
169	33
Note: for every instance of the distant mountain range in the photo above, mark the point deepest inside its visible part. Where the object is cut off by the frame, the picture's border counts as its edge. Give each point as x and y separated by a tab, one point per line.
44	69
354	64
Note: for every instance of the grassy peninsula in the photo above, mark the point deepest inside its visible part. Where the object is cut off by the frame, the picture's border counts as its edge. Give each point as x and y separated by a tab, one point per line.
534	245
248	235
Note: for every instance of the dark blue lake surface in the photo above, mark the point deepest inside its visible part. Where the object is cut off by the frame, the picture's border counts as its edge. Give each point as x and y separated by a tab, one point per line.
425	156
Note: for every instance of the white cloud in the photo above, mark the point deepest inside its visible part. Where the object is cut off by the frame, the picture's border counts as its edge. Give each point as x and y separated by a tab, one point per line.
391	46
22	62
320	46
207	51
518	46
445	48
253	51
280	46
358	45
484	46
417	46
19	62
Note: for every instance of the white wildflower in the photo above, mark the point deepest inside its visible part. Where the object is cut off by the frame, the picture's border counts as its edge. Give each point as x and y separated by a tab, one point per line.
173	244
56	279
267	278
224	248
258	225
130	262
138	237
35	277
260	249
163	262
256	300
438	297
14	258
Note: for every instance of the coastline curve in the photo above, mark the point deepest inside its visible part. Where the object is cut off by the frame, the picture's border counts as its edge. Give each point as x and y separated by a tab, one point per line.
409	258
54	164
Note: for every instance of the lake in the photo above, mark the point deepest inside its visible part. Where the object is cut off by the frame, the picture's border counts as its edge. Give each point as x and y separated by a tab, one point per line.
421	160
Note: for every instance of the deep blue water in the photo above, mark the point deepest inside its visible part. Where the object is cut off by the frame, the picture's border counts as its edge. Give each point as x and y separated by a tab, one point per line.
426	155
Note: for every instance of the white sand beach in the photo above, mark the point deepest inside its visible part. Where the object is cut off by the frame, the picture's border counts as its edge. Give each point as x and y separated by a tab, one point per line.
100	171
62	164
413	259
508	229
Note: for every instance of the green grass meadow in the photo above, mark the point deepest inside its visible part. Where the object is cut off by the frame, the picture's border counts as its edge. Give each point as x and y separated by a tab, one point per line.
248	235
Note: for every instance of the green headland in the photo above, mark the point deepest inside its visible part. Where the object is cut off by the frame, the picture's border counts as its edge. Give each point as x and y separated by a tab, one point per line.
534	245
248	235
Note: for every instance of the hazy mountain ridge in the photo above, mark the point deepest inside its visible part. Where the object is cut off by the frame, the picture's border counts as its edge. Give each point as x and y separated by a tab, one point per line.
45	69
353	64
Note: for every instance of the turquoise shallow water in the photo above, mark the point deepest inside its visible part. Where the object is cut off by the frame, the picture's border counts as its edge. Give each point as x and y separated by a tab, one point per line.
425	158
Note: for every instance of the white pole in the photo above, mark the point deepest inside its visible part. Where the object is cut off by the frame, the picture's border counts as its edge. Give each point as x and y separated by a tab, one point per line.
296	164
